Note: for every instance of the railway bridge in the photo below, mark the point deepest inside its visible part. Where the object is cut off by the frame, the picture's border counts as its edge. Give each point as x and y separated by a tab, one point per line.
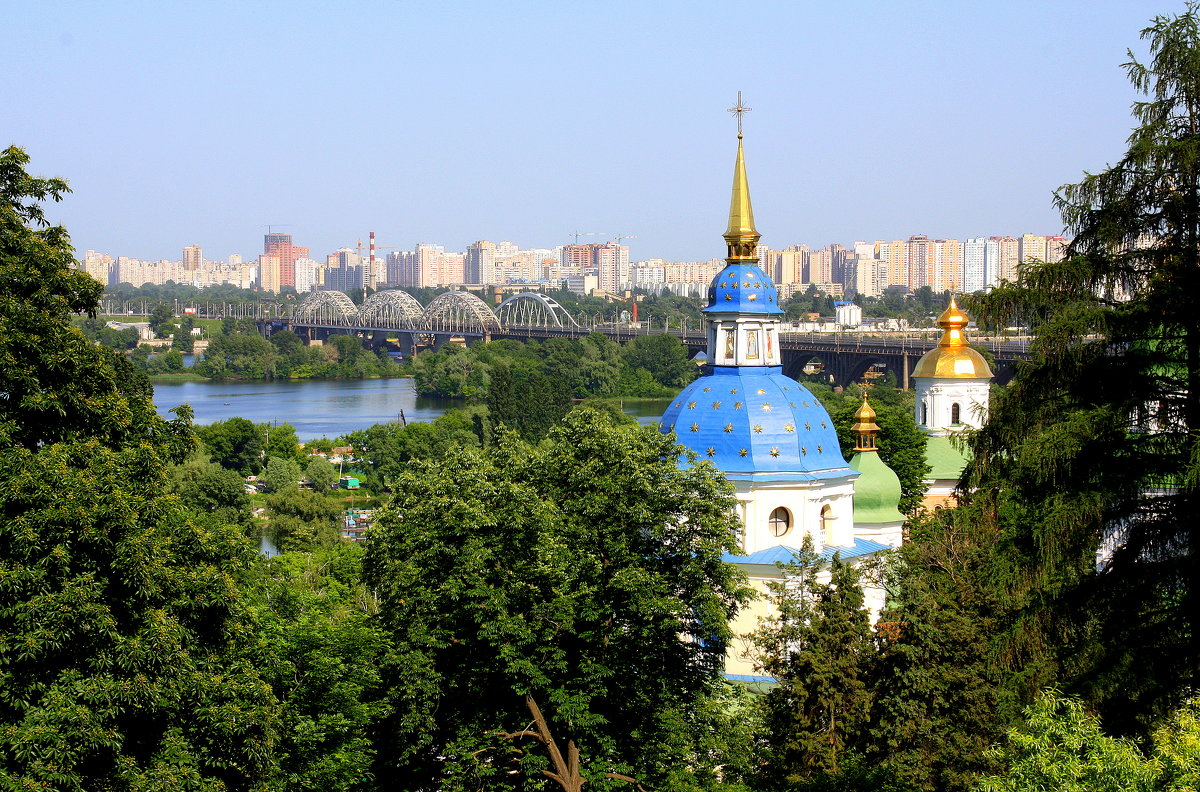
396	321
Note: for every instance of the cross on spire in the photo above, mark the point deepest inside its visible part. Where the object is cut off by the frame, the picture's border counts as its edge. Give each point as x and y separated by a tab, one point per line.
738	109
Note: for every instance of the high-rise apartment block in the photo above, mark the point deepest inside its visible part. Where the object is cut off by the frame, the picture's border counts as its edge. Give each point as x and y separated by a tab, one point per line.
479	262
280	246
193	258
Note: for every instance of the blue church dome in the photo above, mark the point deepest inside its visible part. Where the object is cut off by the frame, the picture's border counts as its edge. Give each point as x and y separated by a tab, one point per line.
742	288
753	419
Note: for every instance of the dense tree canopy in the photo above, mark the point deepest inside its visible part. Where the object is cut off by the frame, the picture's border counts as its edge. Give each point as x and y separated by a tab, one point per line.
585	571
1093	456
125	649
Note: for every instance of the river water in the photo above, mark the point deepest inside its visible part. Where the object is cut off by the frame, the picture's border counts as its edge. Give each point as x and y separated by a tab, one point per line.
326	408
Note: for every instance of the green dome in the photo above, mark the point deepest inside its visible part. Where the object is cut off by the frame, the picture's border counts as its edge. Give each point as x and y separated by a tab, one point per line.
876	490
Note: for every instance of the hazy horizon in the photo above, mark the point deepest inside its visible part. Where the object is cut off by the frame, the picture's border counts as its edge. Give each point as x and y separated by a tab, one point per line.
180	125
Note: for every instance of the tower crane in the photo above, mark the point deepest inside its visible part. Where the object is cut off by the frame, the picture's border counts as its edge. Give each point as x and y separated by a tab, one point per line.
578	234
619	237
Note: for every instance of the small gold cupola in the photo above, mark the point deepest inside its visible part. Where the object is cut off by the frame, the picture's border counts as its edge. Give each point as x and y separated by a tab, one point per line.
864	427
953	358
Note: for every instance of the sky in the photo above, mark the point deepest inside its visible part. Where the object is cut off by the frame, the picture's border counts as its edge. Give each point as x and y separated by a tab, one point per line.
448	122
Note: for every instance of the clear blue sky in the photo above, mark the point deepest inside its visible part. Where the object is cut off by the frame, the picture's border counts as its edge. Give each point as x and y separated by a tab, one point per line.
181	123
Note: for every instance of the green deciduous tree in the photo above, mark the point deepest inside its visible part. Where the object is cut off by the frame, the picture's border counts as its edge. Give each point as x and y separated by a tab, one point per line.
323	652
235	443
320	473
125	649
281	474
585	571
212	492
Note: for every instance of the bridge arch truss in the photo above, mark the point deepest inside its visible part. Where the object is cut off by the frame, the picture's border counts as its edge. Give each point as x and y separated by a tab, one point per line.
461	312
533	309
327	308
391	309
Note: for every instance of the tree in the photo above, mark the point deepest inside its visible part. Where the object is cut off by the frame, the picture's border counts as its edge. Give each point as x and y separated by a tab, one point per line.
321	474
212	492
324	654
1061	746
57	384
301	520
235	443
1093	453
586	571
281	474
125	646
818	647
160	320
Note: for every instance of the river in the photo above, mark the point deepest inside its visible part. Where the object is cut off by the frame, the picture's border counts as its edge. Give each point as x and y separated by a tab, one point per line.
326	408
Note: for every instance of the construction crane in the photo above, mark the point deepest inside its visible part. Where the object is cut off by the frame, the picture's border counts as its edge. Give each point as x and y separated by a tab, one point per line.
619	237
276	225
578	234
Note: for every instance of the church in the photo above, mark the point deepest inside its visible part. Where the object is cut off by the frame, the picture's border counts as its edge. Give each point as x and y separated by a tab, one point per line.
777	445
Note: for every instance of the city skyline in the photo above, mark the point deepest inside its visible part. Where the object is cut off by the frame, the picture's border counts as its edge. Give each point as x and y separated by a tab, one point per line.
182	125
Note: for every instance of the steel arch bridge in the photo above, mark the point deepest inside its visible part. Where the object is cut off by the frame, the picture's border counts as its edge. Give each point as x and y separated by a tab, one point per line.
533	309
327	308
459	311
390	309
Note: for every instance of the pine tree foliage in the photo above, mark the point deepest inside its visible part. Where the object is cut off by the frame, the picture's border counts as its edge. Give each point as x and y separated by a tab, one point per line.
818	647
1093	453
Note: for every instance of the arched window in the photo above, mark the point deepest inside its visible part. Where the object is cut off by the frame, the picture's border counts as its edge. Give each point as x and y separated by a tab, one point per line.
955	414
924	413
781	522
827	523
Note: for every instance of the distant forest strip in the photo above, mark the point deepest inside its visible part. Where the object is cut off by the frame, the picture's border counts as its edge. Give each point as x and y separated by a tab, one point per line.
648	367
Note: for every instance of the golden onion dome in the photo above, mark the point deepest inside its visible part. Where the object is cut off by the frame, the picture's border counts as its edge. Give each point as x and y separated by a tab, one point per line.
864	427
953	358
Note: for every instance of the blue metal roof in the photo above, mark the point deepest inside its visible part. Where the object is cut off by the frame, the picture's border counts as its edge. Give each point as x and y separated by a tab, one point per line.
751	420
742	288
783	554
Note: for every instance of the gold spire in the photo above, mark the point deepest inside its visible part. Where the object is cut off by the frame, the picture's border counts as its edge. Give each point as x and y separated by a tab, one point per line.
741	238
864	427
953	357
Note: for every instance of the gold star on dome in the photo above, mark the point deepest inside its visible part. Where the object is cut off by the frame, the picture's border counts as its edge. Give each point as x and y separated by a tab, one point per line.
706	390
804	403
691	405
733	391
728	428
746	284
807	426
803	451
695	427
710	451
762	391
819	449
767	407
752	297
823	426
737	405
793	405
742	452
727	297
757	429
789	428
785	387
716	405
774	452
757	285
